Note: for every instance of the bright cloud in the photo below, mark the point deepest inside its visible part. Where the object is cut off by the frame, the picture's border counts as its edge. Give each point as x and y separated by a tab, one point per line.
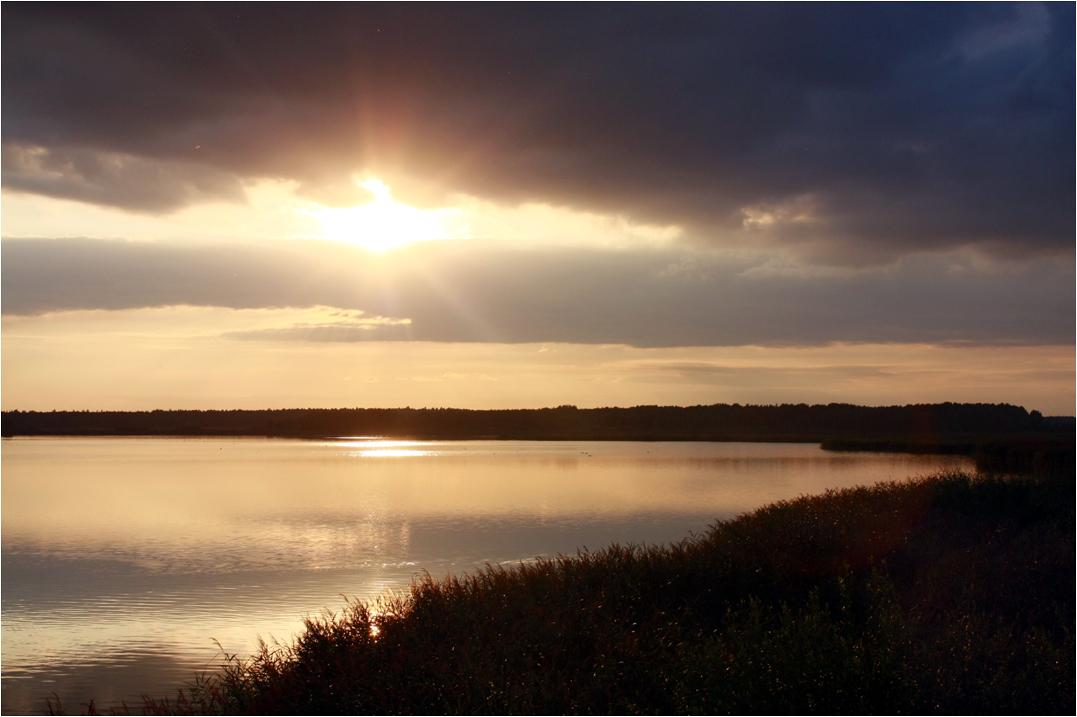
276	209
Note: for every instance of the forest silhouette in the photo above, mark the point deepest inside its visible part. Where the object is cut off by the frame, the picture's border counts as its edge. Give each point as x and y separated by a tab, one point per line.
719	422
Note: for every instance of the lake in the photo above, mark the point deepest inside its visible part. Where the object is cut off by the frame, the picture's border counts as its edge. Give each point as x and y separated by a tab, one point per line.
127	561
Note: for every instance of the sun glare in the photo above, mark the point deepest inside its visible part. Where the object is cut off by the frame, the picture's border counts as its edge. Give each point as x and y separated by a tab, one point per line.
382	224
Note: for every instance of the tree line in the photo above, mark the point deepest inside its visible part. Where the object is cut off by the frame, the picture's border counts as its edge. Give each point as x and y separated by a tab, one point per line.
788	422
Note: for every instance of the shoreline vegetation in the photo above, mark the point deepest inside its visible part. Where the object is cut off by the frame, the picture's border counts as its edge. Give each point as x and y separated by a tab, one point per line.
946	594
951	593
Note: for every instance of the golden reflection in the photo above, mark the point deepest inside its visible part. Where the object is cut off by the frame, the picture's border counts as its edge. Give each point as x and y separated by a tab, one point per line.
108	503
376	447
378	442
390	453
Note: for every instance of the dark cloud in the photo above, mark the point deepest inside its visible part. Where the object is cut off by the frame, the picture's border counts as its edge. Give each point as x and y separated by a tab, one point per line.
850	132
126	181
475	291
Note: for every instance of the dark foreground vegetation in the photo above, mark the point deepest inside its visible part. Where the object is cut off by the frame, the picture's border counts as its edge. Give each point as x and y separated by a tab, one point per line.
927	424
1023	454
949	594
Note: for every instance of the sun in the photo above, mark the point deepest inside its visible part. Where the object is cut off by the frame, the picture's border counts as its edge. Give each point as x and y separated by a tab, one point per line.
382	224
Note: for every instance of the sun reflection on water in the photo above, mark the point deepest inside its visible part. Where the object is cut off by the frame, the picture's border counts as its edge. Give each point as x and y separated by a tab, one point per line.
377	447
389	453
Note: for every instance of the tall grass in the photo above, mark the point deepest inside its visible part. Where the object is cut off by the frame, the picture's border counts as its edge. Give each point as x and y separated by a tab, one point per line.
943	594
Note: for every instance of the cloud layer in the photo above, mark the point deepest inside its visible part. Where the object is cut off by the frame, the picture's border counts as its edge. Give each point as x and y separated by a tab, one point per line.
851	134
493	292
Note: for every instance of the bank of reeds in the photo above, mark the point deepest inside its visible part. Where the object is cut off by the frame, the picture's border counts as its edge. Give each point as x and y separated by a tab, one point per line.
950	594
1031	454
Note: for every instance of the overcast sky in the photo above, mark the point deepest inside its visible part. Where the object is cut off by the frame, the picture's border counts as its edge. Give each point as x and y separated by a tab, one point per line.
467	178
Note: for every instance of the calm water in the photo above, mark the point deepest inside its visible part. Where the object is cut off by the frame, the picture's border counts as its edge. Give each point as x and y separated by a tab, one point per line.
124	559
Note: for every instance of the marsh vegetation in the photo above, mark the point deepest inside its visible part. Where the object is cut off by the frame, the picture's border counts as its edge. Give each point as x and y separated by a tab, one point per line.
951	593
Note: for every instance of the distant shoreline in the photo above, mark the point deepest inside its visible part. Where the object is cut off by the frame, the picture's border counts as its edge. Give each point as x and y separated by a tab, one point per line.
999	437
796	423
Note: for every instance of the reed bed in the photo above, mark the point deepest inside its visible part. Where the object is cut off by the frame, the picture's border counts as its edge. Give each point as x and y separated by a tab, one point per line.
950	593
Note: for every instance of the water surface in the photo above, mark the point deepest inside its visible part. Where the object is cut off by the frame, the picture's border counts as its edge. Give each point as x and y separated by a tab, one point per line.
127	560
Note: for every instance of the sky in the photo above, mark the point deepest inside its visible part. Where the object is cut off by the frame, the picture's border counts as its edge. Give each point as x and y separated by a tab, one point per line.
512	206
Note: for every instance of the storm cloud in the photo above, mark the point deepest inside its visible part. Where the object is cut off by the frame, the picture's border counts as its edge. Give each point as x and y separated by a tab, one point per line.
498	292
851	134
